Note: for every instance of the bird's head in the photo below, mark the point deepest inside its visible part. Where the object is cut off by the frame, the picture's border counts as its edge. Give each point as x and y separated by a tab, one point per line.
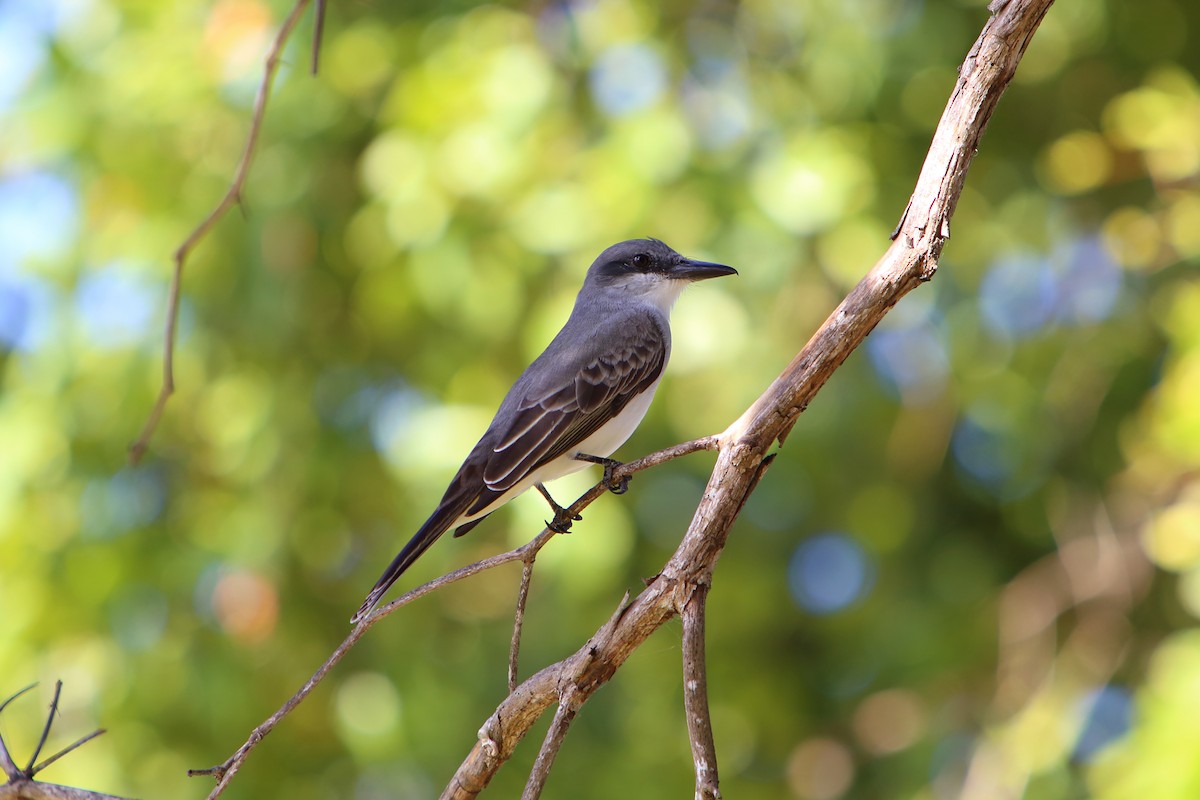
649	269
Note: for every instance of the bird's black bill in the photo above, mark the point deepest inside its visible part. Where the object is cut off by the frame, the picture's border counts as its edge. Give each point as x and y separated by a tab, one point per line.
689	270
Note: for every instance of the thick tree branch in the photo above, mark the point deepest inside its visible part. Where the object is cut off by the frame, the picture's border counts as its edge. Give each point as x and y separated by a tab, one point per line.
26	789
232	197
910	260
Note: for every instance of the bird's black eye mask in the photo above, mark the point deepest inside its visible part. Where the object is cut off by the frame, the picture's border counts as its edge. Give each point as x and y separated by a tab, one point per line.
640	263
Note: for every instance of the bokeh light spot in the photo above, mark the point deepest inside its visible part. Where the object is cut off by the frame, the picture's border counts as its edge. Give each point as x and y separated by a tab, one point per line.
22	47
820	769
1183	225
1076	163
246	605
1089	281
889	721
1107	716
627	78
1172	536
985	449
828	572
811	182
367	704
116	308
1017	295
27	311
138	617
911	360
1133	236
38	217
128	500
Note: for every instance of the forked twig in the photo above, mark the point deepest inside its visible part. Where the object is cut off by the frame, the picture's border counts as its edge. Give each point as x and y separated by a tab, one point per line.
21	785
232	197
37	751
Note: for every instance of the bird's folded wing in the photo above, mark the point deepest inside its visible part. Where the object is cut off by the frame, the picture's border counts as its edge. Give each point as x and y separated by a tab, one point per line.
552	421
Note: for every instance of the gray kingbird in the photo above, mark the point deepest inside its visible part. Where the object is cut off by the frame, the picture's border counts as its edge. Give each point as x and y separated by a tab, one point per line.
577	402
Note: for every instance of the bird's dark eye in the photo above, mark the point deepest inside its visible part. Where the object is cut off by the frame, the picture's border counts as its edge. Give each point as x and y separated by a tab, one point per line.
640	261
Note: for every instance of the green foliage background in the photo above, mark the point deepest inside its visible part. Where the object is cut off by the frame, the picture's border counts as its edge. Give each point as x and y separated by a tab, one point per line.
1004	478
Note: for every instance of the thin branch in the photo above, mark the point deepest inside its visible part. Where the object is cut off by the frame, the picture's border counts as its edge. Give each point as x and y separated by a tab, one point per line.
671	453
232	197
695	696
318	33
531	548
20	692
37	751
6	763
68	749
514	649
568	707
225	771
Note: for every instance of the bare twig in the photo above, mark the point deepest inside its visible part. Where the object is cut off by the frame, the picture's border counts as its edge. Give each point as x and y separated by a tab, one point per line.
514	649
232	196
695	696
68	749
20	785
318	32
6	763
20	692
225	771
37	751
568	707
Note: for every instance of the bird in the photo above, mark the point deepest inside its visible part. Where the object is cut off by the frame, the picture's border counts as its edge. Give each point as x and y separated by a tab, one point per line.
577	402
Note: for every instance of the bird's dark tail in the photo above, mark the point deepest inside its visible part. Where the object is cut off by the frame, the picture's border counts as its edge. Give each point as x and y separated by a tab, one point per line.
440	522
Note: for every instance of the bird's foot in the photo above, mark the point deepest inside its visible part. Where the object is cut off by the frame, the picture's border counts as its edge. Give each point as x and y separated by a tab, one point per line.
610	465
562	517
562	521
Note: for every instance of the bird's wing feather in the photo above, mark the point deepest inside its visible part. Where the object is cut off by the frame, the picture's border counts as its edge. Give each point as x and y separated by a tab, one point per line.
551	420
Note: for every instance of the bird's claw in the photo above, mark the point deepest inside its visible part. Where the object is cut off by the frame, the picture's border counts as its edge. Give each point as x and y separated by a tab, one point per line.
610	466
562	520
612	484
